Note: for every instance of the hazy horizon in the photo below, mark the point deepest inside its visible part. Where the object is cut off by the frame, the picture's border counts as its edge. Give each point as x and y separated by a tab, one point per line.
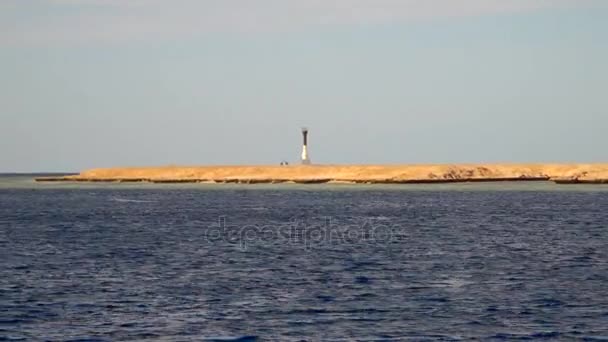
93	83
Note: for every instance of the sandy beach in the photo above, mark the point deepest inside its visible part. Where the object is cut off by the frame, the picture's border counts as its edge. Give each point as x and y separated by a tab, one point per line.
381	174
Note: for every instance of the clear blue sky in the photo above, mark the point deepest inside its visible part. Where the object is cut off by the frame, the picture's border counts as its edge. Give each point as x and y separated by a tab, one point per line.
93	83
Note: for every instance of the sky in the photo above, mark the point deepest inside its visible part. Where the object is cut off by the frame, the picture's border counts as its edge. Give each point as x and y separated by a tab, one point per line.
100	83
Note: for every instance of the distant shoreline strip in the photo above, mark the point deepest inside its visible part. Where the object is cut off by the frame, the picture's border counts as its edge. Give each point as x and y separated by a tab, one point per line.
317	181
349	174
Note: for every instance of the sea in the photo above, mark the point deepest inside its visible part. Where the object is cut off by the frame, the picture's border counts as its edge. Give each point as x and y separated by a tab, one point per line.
205	262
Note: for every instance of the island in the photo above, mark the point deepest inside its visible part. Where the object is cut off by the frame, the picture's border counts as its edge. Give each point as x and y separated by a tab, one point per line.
354	174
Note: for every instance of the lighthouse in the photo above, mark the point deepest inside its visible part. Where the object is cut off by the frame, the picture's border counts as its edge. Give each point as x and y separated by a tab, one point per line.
305	158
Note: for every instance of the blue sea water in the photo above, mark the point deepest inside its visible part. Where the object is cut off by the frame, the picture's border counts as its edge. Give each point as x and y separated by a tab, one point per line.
317	262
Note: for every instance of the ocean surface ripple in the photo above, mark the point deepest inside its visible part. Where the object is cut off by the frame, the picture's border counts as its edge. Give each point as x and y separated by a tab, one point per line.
240	263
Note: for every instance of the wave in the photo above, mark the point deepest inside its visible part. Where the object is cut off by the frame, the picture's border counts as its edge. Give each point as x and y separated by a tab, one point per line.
128	200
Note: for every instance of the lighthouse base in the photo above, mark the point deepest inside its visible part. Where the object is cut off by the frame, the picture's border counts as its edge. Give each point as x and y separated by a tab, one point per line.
305	159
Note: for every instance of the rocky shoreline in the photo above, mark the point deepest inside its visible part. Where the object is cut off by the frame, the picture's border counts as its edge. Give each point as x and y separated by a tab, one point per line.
350	174
287	181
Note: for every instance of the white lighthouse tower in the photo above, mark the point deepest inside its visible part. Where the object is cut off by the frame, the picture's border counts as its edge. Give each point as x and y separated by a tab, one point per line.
305	158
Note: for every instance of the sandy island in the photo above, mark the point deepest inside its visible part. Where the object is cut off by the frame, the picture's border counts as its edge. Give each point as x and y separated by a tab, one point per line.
367	174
